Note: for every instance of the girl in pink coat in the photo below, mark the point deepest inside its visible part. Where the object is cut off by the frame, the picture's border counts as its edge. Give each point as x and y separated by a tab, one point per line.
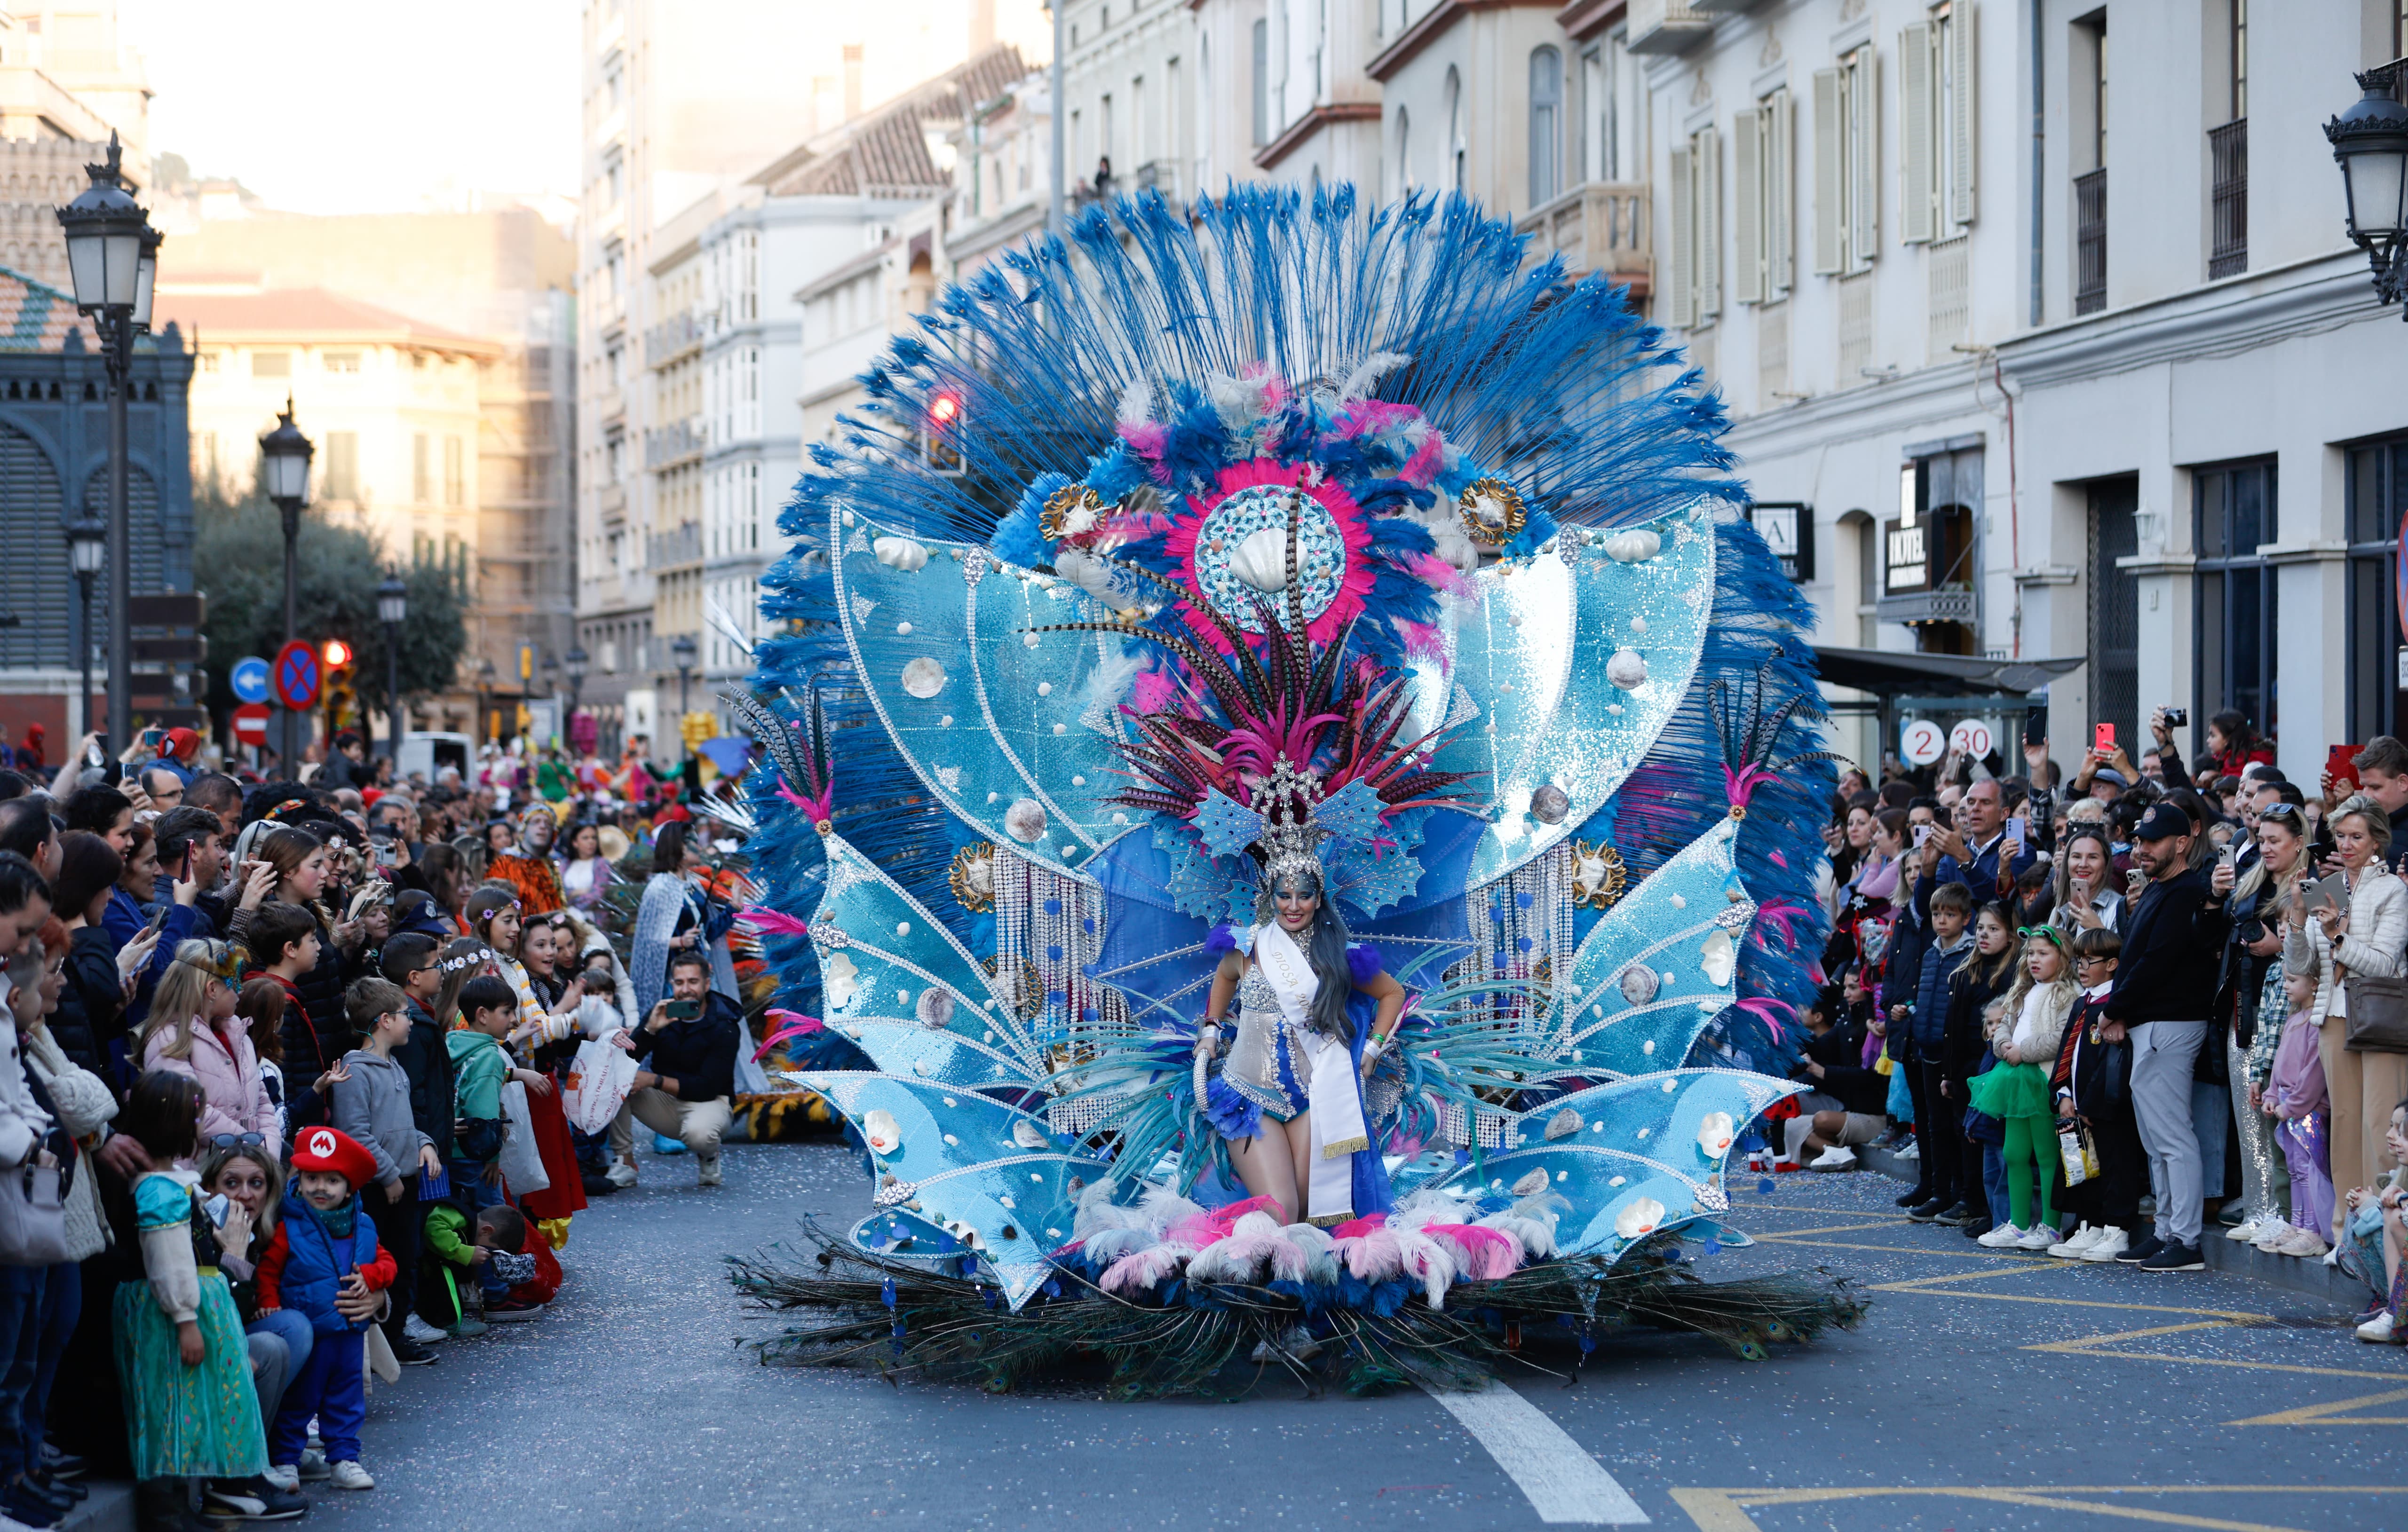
188	1033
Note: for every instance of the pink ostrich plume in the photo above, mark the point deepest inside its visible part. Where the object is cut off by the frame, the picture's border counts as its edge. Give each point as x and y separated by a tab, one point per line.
1765	1009
773	923
1742	783
1781	915
784	1026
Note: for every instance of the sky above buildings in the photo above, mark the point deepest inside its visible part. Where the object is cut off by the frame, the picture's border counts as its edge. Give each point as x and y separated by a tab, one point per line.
326	107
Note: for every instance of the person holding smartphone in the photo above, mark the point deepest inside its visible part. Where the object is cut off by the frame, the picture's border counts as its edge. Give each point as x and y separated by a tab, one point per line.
686	1089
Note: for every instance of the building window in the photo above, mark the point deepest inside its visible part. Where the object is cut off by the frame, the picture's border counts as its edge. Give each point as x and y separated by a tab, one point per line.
2228	154
1847	161
2376	488
2090	187
2233	504
1602	72
1933	552
1454	145
421	469
2115	612
455	472
1936	136
341	361
342	480
1262	83
1546	124
1697	288
1764	203
271	364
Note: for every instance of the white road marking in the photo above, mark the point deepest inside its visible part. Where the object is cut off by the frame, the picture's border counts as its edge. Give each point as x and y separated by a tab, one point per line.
1562	1481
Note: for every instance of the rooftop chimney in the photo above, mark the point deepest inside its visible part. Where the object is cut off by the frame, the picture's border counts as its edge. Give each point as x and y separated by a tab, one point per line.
852	82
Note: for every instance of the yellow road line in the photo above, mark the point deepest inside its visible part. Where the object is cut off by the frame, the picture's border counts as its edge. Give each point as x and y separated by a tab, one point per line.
2329	1414
1726	1509
1910	1249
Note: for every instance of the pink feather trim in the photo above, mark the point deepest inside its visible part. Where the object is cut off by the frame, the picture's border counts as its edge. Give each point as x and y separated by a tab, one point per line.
1178	546
1427	459
1763	1010
784	1025
1743	783
772	921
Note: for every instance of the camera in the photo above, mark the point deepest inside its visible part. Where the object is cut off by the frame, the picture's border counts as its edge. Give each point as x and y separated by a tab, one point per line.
2177	717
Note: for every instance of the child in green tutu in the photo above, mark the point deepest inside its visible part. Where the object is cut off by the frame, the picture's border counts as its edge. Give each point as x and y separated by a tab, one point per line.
2015	1090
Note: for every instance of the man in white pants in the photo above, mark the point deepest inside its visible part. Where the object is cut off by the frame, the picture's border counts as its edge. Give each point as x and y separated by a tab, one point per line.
2165	987
686	1091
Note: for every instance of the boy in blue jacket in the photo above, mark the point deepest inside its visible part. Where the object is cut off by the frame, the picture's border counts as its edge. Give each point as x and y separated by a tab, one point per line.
324	1263
1938	1129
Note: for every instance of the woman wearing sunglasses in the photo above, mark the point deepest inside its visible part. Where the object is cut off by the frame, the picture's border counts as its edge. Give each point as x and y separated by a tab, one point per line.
2251	1007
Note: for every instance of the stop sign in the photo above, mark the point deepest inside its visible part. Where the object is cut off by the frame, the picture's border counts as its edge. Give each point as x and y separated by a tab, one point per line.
251	724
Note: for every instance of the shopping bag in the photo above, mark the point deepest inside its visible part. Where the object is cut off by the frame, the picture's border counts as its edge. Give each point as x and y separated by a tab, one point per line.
522	1159
599	1081
2074	1147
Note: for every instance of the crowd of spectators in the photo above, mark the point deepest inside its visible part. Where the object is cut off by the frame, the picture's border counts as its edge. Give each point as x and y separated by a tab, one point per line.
284	1108
2115	1015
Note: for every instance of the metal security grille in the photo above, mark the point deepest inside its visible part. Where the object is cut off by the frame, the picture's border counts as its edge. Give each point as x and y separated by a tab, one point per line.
150	568
2228	147
2090	242
2114	608
37	586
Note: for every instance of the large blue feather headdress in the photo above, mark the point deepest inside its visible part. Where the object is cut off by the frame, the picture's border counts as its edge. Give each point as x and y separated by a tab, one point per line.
1289	490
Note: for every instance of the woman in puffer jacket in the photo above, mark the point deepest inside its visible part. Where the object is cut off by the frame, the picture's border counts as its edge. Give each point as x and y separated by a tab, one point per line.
2368	939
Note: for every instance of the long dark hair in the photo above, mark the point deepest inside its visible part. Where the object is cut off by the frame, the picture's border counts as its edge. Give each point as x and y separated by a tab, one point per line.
668	849
1325	948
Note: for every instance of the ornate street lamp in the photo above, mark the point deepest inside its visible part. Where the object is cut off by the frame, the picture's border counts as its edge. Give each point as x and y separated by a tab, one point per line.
392	609
87	555
284	456
2370	143
113	261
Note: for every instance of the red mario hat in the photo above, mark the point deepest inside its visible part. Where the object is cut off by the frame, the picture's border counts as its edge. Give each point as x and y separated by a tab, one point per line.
328	1149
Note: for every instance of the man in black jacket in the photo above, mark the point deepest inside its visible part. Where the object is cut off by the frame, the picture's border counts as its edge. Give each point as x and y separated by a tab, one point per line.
687	1090
2165	986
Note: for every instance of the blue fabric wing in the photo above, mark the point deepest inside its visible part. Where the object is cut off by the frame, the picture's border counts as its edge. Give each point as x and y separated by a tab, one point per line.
997	1179
1225	824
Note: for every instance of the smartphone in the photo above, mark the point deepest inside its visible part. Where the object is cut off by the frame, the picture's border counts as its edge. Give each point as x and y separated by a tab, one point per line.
684	1010
158	918
1922	834
96	755
2228	853
2015	832
2103	737
2035	726
2341	765
154	738
216	1208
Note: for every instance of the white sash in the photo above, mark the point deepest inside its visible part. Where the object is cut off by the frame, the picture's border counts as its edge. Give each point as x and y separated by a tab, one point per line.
1333	1091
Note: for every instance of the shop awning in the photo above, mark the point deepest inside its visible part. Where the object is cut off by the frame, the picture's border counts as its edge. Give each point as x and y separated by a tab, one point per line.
1889	672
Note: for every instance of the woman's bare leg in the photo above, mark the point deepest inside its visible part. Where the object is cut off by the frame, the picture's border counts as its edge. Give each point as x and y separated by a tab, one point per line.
1264	1167
1299	1148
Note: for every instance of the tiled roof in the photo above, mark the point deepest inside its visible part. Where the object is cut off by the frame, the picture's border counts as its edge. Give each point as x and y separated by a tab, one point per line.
886	153
302	313
37	317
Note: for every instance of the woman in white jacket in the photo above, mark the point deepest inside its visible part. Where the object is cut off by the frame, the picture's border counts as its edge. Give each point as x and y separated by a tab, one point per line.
2369	939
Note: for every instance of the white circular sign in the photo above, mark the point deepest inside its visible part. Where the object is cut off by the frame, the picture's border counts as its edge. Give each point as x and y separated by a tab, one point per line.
1972	737
1921	741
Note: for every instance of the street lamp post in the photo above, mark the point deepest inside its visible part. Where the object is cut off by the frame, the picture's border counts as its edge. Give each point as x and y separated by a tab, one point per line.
683	647
2371	144
576	672
87	555
113	259
284	455
551	669
392	608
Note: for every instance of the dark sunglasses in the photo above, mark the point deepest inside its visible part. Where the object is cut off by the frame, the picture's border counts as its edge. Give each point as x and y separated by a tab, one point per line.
236	1140
2281	810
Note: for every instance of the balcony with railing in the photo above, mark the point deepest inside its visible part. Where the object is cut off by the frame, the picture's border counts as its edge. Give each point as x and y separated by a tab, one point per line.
2091	241
673	337
1601	226
679	546
678	442
2228	150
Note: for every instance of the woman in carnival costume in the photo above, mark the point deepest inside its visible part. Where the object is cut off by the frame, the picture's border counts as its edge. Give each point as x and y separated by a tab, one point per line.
1193	595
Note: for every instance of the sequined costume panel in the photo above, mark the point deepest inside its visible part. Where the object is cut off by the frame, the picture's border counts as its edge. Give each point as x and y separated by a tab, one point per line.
1262	1060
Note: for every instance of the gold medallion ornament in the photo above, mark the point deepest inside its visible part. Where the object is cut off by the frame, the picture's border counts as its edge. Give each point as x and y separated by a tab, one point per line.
973	876
1073	510
1598	874
1492	511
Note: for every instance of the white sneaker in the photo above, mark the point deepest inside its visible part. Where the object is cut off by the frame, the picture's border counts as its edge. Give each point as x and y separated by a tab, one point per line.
705	1170
2377	1329
2246	1230
2112	1243
1837	1157
2302	1243
350	1475
313	1465
423	1333
2072	1245
2001	1237
2271	1236
1910	1151
2041	1237
621	1173
285	1477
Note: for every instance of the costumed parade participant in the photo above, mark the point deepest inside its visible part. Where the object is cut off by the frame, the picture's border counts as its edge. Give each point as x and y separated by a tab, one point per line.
1270	711
527	867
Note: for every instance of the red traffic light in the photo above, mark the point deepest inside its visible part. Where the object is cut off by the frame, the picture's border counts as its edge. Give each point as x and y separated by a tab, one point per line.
945	409
338	654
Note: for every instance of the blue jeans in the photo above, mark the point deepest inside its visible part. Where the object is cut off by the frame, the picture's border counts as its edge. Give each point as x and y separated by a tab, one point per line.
1994	1185
61	1300
281	1341
472	1190
20	1339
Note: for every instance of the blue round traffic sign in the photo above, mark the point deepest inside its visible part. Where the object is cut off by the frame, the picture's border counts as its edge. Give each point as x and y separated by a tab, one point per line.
250	679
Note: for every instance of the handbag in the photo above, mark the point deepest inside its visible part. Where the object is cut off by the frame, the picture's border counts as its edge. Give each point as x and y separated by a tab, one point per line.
522	1159
2378	1014
598	1085
2081	1156
33	1216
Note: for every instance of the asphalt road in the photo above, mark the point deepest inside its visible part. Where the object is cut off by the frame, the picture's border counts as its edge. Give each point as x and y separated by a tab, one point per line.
1982	1391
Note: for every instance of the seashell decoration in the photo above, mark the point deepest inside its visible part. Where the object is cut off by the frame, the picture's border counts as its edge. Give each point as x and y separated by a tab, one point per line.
1025	821
934	1008
1531	1184
1639	983
839	980
924	678
1714	1134
904	553
1563	1125
1027	1135
1071	511
1492	511
1261	559
1550	804
880	1129
1598	875
1634	547
1627	669
973	877
1719	956
1643	1217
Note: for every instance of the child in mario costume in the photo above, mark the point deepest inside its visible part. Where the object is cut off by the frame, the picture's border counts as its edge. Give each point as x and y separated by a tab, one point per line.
324	1264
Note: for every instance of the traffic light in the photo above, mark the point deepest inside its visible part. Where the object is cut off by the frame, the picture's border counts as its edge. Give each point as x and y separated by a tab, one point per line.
337	655
343	695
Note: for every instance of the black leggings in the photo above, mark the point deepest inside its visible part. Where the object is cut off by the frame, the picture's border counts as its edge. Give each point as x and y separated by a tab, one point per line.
1939	1129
